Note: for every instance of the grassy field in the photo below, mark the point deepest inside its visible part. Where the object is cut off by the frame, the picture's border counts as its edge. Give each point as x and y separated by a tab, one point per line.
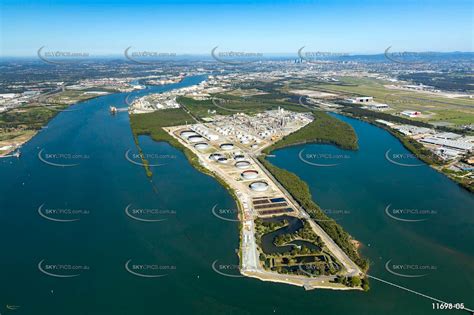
225	104
456	111
69	97
26	117
14	138
453	117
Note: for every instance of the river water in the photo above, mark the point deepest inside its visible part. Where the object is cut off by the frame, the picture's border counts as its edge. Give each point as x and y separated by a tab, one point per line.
99	237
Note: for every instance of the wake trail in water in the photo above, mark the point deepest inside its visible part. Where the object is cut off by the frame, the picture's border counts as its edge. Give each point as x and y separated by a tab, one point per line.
415	292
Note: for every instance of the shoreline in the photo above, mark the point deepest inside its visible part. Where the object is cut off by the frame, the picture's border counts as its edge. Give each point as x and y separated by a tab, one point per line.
160	128
17	145
300	282
257	271
401	138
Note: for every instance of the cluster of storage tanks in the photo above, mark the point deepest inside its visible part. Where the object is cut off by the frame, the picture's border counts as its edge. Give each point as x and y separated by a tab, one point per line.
205	132
242	163
246	138
191	136
266	134
250	174
225	131
195	136
243	138
219	158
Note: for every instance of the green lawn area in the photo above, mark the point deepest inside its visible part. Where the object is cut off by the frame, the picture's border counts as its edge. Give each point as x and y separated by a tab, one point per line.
226	104
452	116
70	97
454	110
27	117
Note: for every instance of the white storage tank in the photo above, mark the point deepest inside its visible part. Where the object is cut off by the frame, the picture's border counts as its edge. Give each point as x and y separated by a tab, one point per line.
227	146
259	186
239	157
222	160
249	174
215	156
188	133
242	164
195	139
201	146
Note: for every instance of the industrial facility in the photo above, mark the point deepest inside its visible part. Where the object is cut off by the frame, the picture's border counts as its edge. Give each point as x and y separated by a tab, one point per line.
228	148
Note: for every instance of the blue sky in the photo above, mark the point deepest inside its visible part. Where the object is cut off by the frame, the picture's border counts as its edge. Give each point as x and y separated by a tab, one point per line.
352	26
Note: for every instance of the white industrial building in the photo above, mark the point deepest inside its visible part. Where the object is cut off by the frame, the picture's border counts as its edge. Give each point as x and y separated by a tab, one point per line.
448	136
462	146
376	106
8	95
447	154
205	132
358	100
410	130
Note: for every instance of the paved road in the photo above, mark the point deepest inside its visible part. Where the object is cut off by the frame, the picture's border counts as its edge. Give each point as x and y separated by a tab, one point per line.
250	255
350	266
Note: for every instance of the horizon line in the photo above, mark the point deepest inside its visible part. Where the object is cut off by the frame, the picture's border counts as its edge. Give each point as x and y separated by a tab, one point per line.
263	54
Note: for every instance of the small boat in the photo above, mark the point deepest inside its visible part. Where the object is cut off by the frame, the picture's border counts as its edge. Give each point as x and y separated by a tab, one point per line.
113	110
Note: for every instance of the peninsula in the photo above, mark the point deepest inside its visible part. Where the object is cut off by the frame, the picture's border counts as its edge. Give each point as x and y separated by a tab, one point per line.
284	235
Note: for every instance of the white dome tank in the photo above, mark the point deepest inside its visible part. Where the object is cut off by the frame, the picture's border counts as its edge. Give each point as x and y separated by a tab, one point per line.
259	186
227	146
188	133
201	146
195	139
249	174
242	164
215	156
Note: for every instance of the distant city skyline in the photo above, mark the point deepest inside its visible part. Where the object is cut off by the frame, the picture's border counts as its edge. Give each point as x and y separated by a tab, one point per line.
273	27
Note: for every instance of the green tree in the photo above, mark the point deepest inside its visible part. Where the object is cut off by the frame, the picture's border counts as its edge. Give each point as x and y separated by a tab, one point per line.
355	281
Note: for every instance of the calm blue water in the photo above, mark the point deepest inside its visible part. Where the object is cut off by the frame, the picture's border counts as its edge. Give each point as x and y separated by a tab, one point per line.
190	239
356	192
